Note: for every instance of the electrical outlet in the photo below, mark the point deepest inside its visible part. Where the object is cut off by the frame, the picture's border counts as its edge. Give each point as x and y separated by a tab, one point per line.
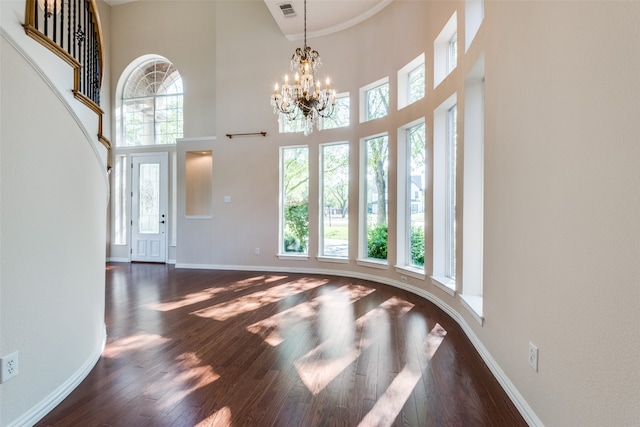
9	367
533	356
257	251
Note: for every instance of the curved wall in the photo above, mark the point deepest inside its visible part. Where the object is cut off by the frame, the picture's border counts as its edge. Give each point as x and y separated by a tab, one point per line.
560	213
52	246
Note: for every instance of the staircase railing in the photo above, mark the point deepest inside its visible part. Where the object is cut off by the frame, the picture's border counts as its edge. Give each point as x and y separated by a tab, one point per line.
71	29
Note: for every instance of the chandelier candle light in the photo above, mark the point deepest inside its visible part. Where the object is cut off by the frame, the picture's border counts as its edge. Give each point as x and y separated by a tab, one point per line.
304	99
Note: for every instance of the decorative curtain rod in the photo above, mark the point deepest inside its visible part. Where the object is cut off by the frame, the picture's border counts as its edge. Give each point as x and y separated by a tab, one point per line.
231	135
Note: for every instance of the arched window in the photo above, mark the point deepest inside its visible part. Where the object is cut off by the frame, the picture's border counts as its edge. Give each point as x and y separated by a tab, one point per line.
152	104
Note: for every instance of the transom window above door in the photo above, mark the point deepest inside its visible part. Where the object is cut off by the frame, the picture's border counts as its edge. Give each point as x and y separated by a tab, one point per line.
152	105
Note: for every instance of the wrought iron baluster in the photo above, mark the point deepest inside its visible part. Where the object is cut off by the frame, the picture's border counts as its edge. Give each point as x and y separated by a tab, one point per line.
55	20
62	24
86	45
75	12
69	31
46	17
35	15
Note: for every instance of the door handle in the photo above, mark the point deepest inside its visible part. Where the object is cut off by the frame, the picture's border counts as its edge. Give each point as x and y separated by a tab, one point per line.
161	222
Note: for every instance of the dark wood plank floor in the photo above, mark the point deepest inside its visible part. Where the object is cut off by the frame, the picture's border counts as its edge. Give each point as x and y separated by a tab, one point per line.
217	348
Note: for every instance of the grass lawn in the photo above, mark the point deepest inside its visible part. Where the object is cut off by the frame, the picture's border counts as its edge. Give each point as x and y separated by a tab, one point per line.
338	230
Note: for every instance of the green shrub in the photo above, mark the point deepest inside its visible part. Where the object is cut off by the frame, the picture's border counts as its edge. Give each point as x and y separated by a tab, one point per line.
377	242
417	245
297	223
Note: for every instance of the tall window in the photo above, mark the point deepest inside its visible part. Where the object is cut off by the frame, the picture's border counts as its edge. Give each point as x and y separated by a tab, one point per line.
375	166
374	100
415	203
450	224
152	105
120	200
295	199
444	195
335	200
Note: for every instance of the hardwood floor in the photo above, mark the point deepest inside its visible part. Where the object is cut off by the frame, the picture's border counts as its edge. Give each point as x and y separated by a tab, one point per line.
217	348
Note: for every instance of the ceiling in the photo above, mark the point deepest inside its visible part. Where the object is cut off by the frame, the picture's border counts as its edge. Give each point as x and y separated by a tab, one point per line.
323	16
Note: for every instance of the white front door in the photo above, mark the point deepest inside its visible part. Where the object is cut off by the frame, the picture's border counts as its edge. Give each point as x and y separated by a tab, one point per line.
149	207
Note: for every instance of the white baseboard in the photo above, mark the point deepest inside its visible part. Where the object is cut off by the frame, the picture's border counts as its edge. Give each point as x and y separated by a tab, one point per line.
47	404
115	259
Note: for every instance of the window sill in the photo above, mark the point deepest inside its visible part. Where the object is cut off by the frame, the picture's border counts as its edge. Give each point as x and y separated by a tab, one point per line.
416	273
444	283
301	257
382	265
473	304
335	260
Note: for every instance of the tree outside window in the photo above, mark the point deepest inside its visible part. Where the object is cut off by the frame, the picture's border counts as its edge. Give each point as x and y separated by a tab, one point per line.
295	199
377	102
335	200
415	196
377	154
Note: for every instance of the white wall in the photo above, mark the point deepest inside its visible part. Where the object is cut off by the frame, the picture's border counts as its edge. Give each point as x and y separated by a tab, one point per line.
561	236
54	188
52	219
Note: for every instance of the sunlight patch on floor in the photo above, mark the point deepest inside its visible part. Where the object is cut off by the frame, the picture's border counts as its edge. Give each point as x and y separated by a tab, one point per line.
257	300
389	405
192	375
133	343
221	418
322	365
210	293
271	329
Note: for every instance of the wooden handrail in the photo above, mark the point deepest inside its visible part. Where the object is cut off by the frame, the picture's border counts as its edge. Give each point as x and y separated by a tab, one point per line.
72	30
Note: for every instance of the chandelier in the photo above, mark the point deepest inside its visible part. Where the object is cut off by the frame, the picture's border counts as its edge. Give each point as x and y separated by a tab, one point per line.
304	100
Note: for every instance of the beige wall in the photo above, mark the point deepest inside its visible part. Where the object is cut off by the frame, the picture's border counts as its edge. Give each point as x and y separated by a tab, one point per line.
561	197
561	236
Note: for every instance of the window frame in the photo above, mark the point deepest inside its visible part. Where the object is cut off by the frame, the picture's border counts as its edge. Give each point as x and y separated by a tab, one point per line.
405	263
441	242
450	194
363	258
364	98
441	49
404	81
282	252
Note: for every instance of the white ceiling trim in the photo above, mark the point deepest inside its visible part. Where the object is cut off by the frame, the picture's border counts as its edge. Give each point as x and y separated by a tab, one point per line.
346	23
324	17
